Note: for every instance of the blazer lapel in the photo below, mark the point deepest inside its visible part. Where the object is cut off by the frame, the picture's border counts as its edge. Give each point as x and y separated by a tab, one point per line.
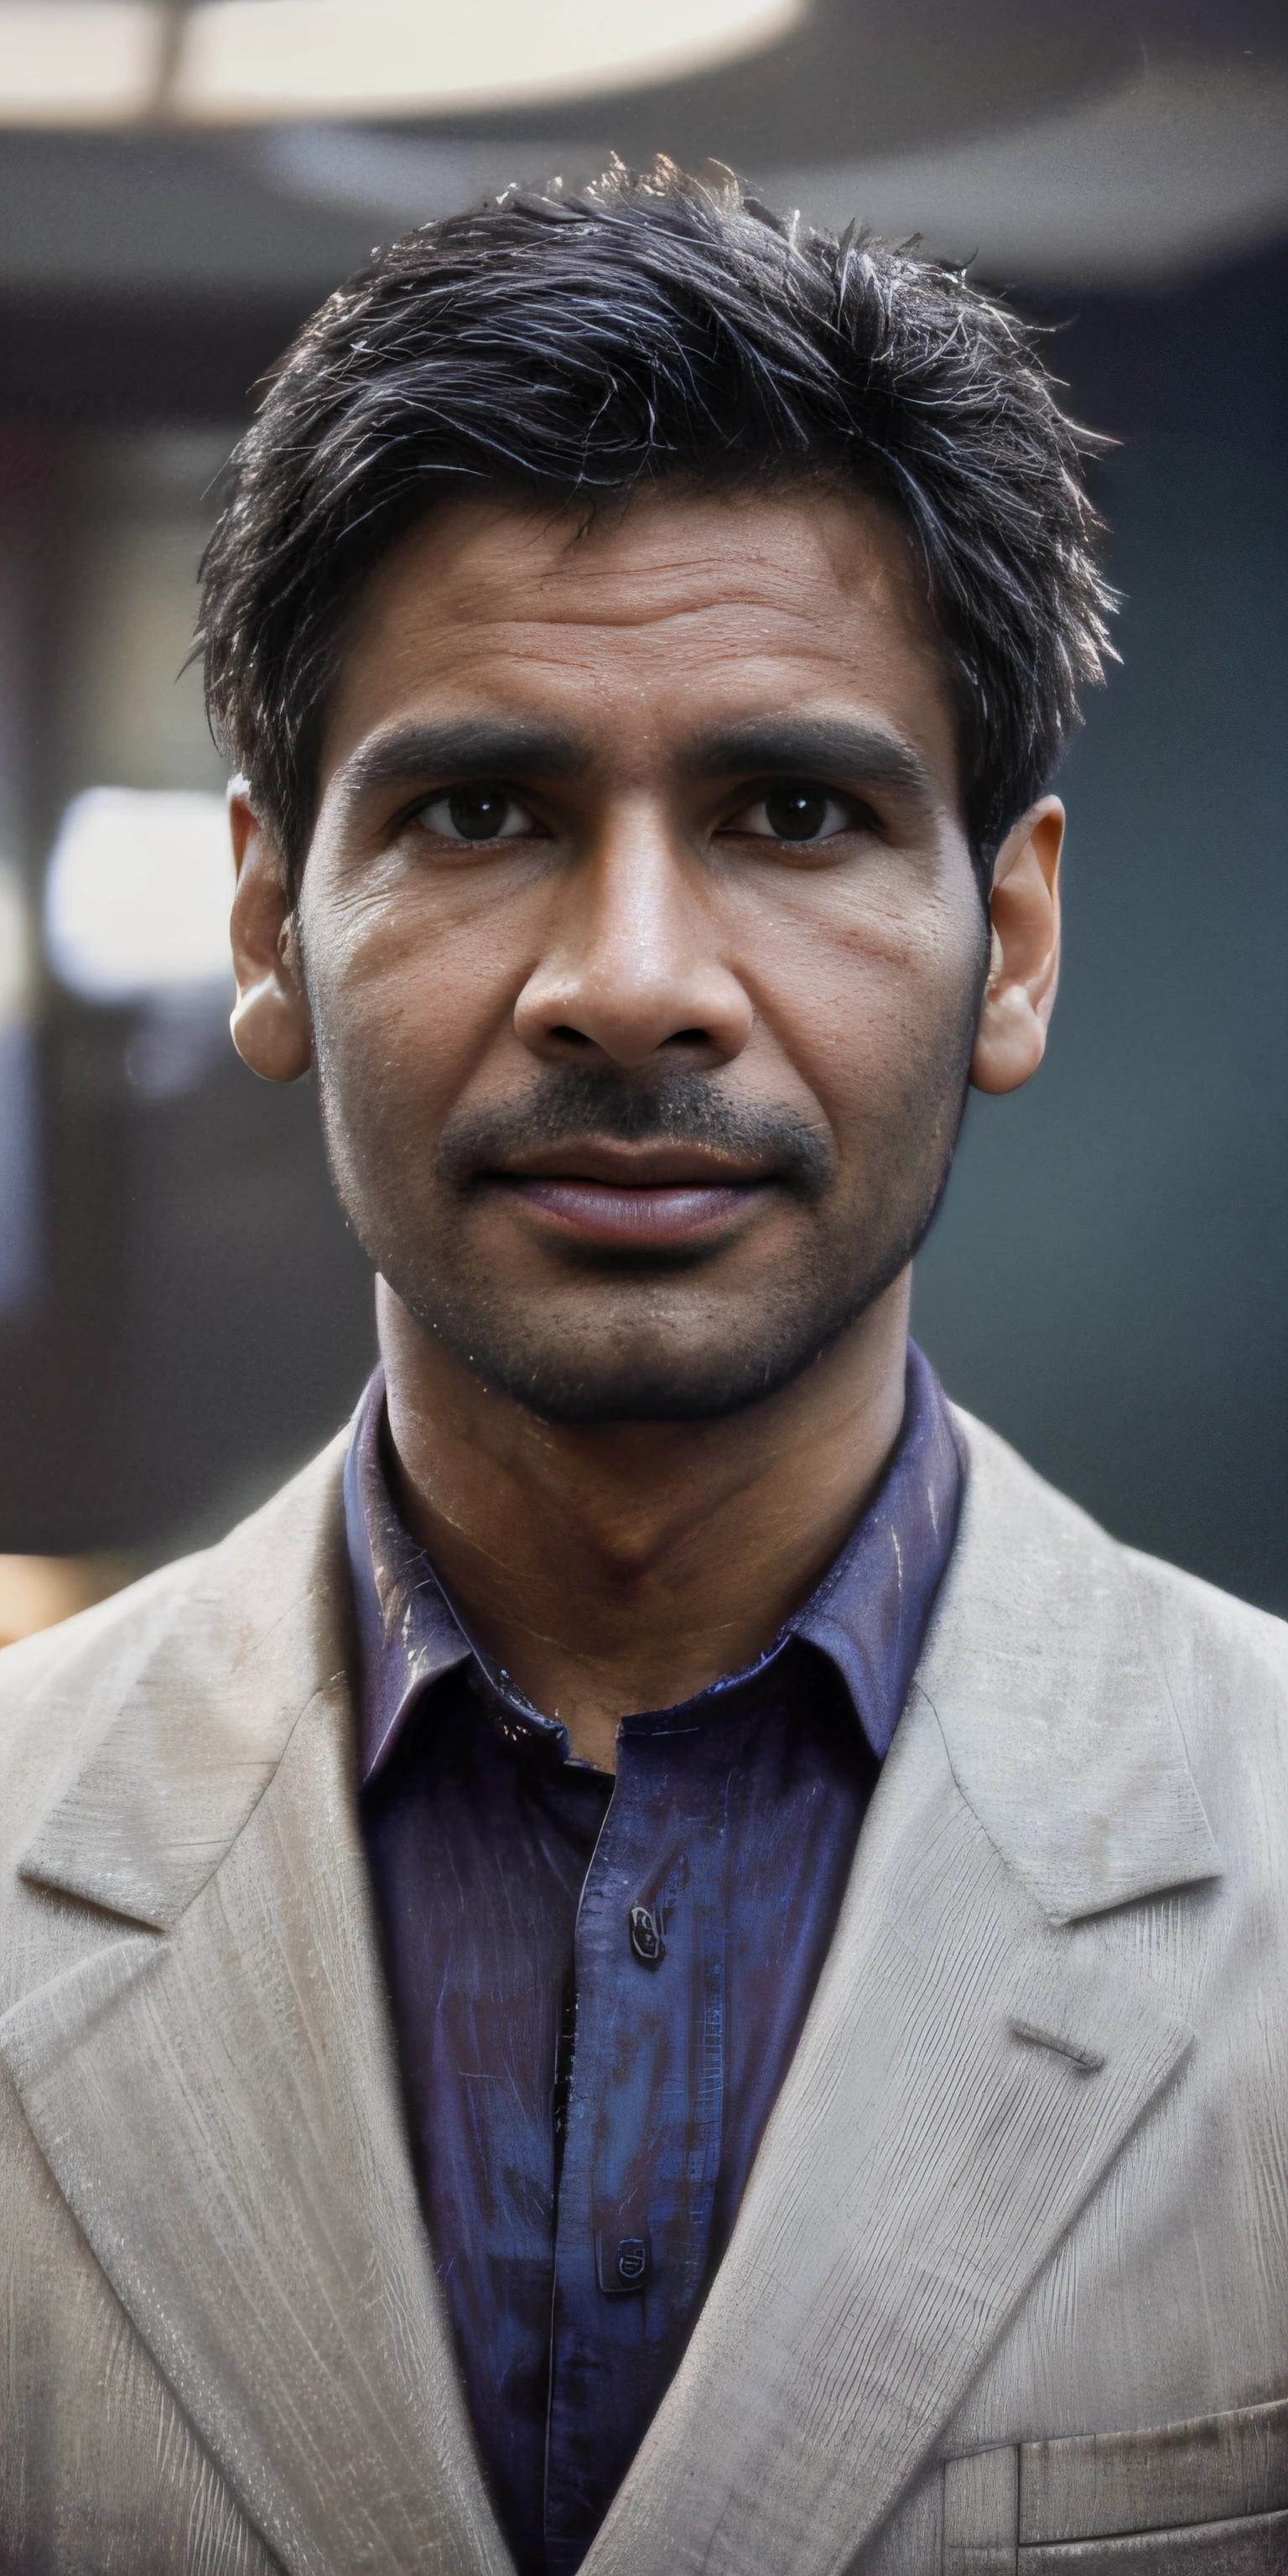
217	2096
975	2059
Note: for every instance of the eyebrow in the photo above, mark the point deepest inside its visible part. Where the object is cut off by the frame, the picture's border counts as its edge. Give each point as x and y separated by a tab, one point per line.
773	746
822	747
461	749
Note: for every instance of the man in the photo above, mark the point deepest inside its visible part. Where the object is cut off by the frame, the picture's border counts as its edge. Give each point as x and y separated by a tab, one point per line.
666	1963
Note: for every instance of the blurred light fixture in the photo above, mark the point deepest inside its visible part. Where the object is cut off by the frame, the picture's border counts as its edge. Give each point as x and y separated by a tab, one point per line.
78	62
137	893
237	62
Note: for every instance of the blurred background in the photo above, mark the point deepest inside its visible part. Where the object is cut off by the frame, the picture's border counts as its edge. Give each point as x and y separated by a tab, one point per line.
182	1314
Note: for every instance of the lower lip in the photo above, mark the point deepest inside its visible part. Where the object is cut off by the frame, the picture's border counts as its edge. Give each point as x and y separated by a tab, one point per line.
642	1218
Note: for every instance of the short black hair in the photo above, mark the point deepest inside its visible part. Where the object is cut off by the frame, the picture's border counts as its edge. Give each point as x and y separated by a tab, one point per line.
651	327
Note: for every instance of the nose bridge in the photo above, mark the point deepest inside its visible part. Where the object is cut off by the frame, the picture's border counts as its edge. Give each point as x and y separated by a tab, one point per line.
638	911
633	960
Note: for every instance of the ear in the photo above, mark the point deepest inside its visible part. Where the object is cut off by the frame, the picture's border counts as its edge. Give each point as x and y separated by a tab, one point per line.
1024	964
271	1027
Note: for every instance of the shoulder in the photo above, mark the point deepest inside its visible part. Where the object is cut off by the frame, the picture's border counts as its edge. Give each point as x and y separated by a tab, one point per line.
194	1620
60	1690
1057	1586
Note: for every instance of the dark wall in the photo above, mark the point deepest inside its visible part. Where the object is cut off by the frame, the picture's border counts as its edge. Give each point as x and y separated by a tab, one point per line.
1108	1280
1105	1282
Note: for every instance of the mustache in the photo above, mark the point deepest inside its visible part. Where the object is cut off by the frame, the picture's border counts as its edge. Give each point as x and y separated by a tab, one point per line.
570	1104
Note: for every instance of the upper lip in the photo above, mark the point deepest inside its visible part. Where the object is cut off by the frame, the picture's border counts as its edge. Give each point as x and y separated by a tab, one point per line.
632	1167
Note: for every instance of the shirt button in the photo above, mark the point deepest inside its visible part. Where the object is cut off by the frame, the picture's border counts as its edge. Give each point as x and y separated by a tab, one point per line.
646	1939
622	2263
632	2261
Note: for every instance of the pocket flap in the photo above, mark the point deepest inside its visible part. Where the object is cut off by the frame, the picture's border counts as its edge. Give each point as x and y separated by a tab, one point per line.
1091	2485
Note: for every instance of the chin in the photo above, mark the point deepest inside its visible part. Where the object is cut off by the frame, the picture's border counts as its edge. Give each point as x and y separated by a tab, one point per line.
650	1358
645	1386
644	1398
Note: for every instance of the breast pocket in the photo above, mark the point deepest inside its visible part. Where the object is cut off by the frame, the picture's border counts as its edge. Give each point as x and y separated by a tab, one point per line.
1207	2498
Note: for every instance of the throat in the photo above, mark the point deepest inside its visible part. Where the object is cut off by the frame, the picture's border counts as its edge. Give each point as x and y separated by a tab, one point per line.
621	1569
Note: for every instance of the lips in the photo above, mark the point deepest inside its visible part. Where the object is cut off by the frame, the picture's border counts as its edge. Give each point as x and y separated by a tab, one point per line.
661	1198
637	1216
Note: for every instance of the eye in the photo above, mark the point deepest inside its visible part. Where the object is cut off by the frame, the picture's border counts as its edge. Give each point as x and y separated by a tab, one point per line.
796	811
482	813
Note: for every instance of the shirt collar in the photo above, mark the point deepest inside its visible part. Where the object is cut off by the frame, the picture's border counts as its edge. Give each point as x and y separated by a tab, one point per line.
871	1610
408	1633
868	1616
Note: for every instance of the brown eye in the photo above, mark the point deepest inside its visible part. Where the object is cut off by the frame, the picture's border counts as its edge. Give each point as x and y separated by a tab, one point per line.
481	813
796	811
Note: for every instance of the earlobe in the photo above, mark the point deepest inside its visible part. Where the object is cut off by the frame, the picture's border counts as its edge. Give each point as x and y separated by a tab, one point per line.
271	1027
271	1032
1024	963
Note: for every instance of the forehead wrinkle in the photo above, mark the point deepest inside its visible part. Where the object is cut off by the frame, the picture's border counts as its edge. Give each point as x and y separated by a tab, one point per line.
626	602
713	622
630	584
718	555
775	653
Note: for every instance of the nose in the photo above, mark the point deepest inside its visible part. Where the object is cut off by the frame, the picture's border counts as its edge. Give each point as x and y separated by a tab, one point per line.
632	963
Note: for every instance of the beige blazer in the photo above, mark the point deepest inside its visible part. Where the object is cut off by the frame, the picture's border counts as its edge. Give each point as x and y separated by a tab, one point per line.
1009	2288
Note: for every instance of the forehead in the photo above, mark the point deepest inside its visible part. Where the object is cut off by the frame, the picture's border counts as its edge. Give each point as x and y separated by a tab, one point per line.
641	616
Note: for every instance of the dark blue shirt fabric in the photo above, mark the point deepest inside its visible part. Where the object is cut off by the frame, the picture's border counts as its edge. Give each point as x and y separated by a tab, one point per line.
597	1984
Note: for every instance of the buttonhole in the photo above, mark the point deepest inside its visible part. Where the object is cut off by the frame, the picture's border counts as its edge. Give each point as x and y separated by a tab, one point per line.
1088	2061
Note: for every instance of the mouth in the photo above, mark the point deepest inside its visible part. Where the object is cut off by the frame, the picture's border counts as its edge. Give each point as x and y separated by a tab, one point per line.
663	1198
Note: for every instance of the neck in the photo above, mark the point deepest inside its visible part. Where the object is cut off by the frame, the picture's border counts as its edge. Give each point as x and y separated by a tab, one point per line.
624	1566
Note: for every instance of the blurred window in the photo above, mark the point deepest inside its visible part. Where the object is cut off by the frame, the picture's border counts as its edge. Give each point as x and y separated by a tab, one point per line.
140	875
137	893
19	1191
15	950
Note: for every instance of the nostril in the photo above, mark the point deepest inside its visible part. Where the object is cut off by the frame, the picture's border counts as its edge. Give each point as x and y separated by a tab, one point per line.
688	1037
570	1036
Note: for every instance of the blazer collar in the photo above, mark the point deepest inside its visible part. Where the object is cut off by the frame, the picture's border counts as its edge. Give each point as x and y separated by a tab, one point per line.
1044	1672
217	2097
249	1635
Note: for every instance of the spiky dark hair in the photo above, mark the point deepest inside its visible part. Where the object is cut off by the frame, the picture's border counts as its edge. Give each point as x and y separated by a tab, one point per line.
653	327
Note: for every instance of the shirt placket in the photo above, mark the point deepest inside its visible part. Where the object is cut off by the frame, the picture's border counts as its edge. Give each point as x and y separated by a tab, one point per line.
644	2119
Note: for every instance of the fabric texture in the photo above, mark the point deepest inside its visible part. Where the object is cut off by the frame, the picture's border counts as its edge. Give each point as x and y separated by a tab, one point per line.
1023	2185
598	1984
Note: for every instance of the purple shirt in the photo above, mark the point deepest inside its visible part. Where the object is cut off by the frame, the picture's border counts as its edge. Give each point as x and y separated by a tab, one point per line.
597	1985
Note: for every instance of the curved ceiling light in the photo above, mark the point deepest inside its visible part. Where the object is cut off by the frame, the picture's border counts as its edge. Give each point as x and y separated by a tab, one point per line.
78	62
238	62
247	59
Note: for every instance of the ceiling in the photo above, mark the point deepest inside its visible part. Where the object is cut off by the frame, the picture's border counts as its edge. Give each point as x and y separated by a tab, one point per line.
1090	144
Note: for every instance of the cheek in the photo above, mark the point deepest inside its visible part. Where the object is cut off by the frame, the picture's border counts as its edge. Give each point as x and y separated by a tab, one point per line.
406	1003
874	997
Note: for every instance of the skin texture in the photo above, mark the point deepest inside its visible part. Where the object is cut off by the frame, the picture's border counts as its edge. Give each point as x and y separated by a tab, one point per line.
639	1106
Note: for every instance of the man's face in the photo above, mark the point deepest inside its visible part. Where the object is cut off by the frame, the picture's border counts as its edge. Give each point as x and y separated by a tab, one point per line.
642	943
